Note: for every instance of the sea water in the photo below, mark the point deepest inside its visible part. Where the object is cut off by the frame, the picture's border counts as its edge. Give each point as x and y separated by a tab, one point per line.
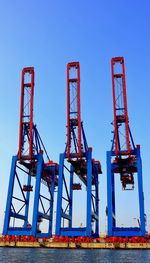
43	255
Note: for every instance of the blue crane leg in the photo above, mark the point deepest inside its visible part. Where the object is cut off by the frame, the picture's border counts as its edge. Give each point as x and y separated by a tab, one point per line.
97	204
9	195
89	192
71	196
59	196
141	194
52	201
109	194
27	203
37	193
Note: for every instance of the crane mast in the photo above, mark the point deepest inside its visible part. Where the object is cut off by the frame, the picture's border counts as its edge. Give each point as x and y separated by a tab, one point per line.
26	115
73	110
123	143
121	121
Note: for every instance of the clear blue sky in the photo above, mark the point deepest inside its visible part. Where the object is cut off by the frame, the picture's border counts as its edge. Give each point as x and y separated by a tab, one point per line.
49	34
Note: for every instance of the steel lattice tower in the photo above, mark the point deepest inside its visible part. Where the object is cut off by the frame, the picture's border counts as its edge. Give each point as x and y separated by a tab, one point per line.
76	163
124	158
30	175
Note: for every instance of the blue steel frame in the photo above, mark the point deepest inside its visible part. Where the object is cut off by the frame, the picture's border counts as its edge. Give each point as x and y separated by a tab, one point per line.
92	200
23	213
113	230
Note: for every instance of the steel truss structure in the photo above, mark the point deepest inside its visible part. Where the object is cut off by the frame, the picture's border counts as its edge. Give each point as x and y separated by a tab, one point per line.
76	163
30	175
124	158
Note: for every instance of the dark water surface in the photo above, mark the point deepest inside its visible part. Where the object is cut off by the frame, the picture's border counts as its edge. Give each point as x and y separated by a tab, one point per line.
35	255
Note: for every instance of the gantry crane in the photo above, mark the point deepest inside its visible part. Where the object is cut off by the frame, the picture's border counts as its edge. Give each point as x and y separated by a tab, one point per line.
124	159
76	163
32	180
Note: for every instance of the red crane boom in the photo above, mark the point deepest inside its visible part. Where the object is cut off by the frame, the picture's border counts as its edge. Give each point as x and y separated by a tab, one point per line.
121	121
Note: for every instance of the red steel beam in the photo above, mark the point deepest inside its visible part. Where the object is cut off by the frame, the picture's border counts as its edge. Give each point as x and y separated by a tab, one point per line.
73	114
26	118
124	111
